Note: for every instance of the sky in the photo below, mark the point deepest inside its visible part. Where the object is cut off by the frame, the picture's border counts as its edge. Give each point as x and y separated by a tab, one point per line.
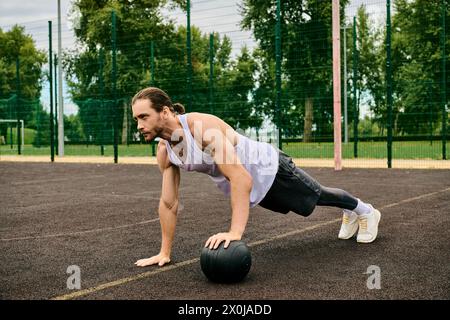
210	15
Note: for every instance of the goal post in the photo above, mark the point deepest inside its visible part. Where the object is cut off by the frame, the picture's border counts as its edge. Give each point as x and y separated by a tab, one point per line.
336	27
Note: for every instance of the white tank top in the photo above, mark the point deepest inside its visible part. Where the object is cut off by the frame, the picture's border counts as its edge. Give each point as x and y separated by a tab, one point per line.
260	159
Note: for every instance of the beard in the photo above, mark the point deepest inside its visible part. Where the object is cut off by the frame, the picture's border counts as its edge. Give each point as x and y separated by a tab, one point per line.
150	135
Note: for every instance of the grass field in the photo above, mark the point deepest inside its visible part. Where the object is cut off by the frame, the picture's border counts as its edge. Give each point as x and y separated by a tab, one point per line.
29	135
83	150
373	150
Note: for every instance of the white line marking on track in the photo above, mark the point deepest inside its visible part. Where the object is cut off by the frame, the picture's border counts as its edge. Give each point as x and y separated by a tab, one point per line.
76	233
18	183
415	198
124	280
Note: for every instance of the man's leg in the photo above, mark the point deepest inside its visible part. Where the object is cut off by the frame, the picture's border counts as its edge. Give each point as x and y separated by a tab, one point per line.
356	214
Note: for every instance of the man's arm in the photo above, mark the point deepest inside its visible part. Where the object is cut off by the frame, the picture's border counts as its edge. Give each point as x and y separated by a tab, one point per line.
168	208
241	184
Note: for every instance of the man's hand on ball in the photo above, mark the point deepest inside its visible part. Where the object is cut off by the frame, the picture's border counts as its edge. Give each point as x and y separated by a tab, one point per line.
215	240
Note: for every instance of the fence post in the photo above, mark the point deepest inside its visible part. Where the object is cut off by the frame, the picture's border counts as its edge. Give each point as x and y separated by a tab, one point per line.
38	126
114	84
278	74
189	56
60	121
50	64
10	116
211	72
102	94
430	109
345	84
56	103
389	83
444	83
355	90
152	64
19	146
336	31
152	83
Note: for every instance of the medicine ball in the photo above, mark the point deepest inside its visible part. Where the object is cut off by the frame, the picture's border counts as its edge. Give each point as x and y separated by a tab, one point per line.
226	265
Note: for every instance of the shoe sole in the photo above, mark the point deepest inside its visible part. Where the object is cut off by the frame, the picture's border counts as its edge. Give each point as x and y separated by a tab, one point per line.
378	216
351	233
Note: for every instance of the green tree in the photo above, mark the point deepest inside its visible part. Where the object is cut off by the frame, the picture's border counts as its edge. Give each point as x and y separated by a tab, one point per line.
371	66
417	65
73	128
16	45
307	65
40	123
140	23
235	92
90	72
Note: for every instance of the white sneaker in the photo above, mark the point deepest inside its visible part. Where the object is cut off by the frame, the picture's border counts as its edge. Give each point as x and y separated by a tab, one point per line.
349	225
368	226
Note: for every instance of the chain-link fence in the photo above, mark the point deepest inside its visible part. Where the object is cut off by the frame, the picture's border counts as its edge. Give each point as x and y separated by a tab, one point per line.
265	67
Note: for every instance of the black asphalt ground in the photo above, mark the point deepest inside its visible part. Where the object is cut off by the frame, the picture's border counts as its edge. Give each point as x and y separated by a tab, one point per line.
102	218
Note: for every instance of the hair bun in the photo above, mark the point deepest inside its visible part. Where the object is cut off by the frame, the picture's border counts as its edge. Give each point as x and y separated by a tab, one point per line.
179	108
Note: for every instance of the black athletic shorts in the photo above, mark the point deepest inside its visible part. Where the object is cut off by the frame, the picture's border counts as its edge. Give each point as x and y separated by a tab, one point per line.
292	190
